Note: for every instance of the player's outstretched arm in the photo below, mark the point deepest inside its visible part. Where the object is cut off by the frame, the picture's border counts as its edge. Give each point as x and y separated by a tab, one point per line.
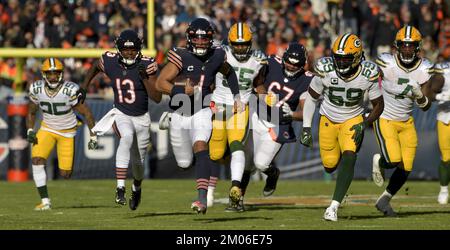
31	119
164	82
93	71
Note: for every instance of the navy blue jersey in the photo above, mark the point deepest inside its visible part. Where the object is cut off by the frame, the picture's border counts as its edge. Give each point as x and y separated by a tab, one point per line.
198	71
288	90
130	95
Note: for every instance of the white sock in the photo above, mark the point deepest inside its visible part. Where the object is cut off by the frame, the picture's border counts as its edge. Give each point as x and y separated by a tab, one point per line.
237	165
120	183
45	201
385	193
211	190
335	204
444	189
39	175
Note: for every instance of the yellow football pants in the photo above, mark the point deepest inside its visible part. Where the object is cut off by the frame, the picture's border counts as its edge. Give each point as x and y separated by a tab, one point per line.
443	131
64	145
335	138
232	130
397	140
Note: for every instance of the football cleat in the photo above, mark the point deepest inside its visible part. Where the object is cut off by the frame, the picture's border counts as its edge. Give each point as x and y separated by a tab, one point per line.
120	196
271	182
383	205
443	197
377	172
135	199
198	207
235	195
43	207
330	214
238	207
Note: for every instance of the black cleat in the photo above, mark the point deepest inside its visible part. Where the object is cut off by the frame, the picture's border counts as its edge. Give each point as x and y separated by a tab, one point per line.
271	182
236	208
135	199
120	196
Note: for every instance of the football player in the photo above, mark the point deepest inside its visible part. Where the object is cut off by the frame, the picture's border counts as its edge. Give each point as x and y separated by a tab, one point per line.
230	129
440	91
405	75
286	82
57	98
188	78
343	80
133	78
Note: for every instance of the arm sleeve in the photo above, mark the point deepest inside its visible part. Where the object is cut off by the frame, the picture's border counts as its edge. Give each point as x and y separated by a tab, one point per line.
308	110
316	85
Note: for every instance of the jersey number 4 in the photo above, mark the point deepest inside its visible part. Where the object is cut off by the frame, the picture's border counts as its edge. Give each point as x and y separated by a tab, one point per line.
129	96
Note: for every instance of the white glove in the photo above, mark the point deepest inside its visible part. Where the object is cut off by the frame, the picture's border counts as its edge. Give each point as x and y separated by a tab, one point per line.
417	91
443	97
164	121
287	111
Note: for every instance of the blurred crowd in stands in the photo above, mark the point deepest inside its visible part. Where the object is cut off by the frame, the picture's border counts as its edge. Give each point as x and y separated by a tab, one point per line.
314	23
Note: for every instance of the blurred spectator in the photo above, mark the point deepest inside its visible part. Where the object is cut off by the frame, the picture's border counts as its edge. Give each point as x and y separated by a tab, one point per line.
96	23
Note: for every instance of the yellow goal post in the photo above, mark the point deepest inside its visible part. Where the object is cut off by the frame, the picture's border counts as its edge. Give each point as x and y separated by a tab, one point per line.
21	53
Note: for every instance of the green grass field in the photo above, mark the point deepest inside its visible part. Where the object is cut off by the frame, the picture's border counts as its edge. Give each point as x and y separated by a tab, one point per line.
89	204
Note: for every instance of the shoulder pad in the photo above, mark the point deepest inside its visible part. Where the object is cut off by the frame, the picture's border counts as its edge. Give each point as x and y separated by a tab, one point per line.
442	68
384	59
370	70
323	66
259	56
427	66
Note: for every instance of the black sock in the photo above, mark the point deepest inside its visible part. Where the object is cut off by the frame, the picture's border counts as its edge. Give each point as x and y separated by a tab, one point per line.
43	191
245	180
345	176
203	172
444	173
397	180
235	183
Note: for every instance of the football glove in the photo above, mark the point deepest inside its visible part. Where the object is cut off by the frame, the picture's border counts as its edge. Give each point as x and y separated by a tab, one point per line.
81	94
287	111
93	143
31	136
306	137
359	132
417	91
142	71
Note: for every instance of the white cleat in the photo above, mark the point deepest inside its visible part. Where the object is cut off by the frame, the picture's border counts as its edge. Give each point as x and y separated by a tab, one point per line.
383	205
43	207
443	197
330	214
377	172
210	198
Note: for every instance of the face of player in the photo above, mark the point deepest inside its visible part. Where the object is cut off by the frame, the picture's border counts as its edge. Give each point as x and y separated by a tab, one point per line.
129	53
407	51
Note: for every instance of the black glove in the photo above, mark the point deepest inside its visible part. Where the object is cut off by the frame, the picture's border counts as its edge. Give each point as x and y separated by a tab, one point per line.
31	136
81	94
142	71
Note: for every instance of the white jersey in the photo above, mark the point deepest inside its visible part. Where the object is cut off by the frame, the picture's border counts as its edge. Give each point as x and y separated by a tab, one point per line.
397	85
443	114
344	100
57	107
246	72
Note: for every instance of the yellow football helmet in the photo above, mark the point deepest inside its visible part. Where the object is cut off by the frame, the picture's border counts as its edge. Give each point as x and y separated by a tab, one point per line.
52	71
240	40
407	42
347	53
